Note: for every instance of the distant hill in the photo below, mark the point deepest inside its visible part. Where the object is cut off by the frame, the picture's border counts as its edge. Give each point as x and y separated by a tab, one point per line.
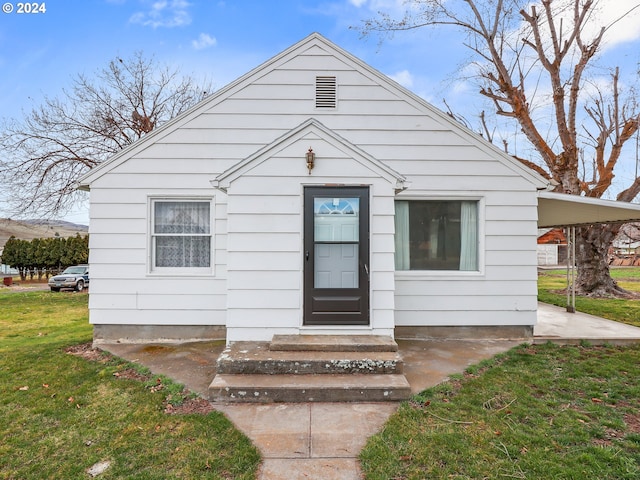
30	229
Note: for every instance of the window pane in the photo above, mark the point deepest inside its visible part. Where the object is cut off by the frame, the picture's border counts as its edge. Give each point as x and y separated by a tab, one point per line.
336	219
336	265
436	235
182	217
183	251
181	234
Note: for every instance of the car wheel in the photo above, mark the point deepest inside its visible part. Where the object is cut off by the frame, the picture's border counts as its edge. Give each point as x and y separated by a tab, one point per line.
80	286
54	289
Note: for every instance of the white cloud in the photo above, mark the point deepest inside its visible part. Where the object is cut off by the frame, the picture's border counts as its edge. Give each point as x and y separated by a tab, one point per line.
357	3
626	27
620	17
164	13
404	78
203	41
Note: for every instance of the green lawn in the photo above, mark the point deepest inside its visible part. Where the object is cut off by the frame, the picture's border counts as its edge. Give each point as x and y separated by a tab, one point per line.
543	412
533	413
60	414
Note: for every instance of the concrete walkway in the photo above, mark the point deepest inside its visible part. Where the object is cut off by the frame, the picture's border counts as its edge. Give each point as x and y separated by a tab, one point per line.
557	325
323	440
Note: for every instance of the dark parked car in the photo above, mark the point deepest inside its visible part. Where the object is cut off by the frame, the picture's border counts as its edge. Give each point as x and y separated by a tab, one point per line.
76	277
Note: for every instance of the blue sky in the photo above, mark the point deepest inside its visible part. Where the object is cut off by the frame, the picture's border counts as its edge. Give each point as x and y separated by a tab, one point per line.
219	40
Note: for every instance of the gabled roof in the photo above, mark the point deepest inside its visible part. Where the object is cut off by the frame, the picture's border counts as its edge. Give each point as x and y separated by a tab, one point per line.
311	126
313	40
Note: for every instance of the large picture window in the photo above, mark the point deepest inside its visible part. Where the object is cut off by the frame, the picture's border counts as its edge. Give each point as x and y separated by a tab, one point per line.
436	235
181	234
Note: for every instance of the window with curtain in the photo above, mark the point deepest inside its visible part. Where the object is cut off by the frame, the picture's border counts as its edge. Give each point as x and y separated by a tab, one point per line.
436	235
181	234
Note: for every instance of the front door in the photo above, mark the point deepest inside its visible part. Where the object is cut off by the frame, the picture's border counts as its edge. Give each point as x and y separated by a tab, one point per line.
336	256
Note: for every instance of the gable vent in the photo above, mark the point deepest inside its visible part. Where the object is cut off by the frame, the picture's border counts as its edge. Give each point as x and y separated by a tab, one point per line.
325	92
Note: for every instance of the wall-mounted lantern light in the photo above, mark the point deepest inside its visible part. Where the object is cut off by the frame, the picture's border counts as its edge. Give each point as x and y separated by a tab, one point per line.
311	158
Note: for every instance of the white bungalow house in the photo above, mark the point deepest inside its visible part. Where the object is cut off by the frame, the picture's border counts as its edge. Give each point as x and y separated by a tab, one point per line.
314	195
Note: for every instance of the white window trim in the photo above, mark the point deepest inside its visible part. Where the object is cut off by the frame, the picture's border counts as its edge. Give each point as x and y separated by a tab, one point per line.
181	271
443	274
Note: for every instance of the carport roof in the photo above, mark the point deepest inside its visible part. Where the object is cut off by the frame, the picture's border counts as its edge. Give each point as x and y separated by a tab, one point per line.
562	210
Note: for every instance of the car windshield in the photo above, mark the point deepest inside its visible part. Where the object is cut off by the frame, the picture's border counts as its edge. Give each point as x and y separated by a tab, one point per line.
74	270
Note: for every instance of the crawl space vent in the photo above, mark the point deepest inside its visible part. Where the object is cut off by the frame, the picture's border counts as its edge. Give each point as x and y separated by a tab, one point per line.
325	92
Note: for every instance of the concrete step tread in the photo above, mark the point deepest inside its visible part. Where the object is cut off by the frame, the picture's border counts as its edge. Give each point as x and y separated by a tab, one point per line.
261	351
257	358
334	343
359	381
309	388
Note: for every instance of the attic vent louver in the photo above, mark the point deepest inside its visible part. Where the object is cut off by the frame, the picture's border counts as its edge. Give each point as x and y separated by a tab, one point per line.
325	92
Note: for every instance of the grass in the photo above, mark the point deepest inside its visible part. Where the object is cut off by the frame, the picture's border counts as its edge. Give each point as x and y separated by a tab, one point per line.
551	282
532	413
60	414
535	412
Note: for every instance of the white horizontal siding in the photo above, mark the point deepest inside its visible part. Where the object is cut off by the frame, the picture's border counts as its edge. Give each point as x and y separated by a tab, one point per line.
137	301
128	256
494	257
472	303
111	316
268	280
275	242
275	223
410	120
166	182
409	287
162	286
121	241
512	242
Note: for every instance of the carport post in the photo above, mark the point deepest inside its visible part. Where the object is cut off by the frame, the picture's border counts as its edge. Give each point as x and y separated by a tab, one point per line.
571	269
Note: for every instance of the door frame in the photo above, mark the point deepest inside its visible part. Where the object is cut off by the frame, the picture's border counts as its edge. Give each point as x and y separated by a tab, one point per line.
336	306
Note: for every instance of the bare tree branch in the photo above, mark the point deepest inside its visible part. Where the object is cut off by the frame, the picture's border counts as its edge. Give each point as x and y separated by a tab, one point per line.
521	49
63	138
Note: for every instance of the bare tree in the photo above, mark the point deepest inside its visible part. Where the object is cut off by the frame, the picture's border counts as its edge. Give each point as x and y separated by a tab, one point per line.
522	48
43	155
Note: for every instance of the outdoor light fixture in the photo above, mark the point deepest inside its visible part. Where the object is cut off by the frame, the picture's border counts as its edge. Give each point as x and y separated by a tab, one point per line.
311	157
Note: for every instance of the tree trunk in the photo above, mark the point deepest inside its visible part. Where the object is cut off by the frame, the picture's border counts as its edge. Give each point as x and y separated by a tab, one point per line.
592	248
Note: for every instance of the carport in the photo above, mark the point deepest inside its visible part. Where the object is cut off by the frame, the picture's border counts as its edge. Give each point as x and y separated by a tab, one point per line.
560	210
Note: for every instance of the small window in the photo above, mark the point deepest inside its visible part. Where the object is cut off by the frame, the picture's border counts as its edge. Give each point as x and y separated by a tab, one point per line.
325	92
181	234
436	235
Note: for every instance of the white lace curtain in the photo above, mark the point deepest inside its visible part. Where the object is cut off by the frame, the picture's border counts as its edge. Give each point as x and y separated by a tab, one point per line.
182	234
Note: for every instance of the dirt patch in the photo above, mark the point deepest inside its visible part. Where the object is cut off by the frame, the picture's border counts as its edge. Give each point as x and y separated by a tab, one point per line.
633	422
131	374
25	287
88	352
198	406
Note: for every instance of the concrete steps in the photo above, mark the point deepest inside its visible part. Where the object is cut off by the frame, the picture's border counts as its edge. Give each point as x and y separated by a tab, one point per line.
311	368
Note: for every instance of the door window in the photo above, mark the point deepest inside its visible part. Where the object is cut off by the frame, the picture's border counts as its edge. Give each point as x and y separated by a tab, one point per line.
336	227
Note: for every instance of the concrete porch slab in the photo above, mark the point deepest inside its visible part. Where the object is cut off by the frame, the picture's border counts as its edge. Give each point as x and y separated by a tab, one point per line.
557	325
